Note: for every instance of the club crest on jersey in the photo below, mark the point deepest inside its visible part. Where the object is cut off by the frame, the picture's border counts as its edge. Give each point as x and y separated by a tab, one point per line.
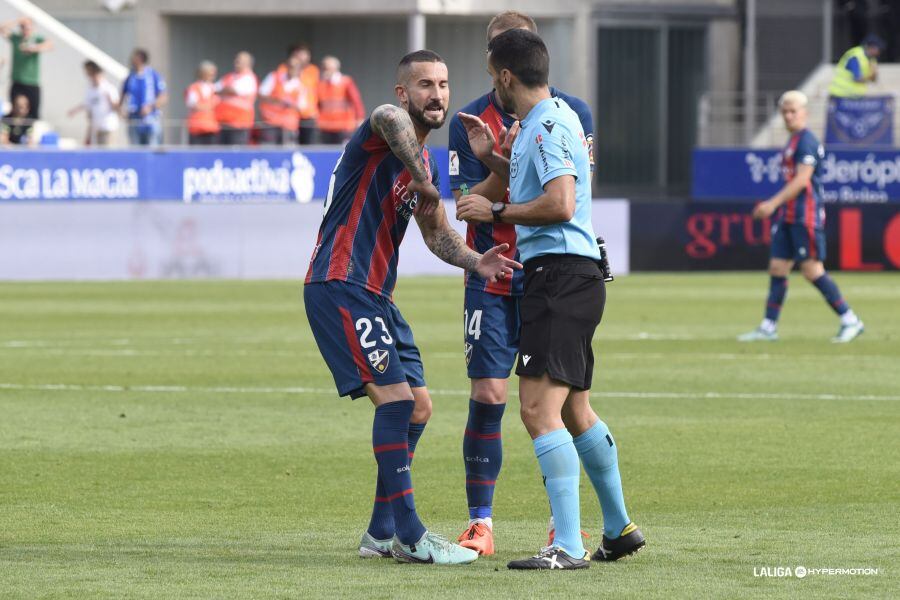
514	166
468	353
379	360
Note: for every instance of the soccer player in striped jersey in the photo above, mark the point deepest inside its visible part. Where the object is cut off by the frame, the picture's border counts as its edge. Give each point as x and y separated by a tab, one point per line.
491	310
798	232
386	176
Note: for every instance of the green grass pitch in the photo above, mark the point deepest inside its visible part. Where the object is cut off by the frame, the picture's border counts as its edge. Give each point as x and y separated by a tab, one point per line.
182	440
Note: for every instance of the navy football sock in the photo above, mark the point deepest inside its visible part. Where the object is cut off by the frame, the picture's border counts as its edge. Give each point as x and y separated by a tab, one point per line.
414	433
777	292
483	453
390	443
381	524
829	289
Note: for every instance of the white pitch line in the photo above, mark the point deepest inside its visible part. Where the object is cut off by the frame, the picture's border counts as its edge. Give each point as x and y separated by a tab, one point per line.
182	389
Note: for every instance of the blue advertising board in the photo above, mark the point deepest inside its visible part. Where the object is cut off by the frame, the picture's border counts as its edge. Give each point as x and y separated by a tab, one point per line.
867	121
849	176
177	175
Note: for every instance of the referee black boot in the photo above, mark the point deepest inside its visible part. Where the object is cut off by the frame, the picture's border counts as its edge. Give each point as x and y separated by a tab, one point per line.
628	543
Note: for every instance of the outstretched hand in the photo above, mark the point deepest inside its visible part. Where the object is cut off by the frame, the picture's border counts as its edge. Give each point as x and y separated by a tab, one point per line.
493	266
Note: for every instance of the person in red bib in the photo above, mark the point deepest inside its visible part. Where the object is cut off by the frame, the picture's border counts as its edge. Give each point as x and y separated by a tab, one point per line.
236	112
309	75
201	100
281	98
341	108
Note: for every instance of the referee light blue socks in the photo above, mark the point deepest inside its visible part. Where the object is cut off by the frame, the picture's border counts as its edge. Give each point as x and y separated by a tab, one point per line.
390	443
600	458
483	454
381	524
558	459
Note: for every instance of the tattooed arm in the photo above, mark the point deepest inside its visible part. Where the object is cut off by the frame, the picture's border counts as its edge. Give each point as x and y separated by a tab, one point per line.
449	246
394	126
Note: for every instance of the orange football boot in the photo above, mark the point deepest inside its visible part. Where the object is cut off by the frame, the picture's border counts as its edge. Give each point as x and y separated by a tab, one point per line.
479	537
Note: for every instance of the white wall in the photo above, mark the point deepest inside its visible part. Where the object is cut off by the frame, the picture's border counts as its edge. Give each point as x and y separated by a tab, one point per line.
163	240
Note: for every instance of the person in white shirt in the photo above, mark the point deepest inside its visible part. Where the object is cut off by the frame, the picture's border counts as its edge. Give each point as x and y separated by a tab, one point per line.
100	104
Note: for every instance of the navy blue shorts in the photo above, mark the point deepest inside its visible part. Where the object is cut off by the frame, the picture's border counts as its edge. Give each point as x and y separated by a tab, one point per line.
491	325
362	337
797	242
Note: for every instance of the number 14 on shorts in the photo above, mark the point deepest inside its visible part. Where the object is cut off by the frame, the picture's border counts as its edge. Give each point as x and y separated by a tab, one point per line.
472	327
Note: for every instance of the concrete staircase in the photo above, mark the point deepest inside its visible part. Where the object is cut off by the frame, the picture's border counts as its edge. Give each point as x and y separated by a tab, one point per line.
773	134
63	83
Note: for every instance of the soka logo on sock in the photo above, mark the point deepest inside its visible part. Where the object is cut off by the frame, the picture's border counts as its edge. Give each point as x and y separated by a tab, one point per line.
478	459
403	468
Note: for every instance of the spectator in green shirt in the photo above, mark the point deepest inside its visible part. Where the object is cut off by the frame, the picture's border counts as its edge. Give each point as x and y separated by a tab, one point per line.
26	65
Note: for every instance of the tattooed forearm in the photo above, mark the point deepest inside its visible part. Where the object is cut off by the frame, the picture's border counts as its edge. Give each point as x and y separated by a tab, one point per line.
447	245
396	128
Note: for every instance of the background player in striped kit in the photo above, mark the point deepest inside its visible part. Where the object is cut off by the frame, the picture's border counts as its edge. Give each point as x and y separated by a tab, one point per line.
798	232
385	177
479	165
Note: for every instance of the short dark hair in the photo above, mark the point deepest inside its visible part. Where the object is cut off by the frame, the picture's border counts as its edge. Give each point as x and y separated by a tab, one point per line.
92	67
142	54
523	54
418	56
297	47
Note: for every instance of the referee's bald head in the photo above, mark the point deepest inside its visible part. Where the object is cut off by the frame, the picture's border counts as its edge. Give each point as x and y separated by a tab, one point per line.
523	54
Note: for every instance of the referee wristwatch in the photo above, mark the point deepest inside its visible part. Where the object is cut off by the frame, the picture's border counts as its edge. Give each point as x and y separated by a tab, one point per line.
497	209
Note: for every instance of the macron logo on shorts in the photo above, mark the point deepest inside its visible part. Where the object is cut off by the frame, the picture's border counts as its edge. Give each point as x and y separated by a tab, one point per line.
525	359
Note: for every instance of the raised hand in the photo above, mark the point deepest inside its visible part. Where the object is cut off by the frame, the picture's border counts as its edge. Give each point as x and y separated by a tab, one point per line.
493	266
481	138
507	138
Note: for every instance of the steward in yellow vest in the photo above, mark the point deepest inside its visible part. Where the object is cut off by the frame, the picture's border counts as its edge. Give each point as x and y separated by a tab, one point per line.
857	67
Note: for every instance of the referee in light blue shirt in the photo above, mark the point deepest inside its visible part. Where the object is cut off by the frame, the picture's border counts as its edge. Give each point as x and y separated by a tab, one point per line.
550	204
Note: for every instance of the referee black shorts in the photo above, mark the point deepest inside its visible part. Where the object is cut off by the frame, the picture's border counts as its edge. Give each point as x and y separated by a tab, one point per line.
562	306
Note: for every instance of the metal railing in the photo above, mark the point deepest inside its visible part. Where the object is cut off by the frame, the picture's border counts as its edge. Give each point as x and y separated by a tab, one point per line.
174	132
722	120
